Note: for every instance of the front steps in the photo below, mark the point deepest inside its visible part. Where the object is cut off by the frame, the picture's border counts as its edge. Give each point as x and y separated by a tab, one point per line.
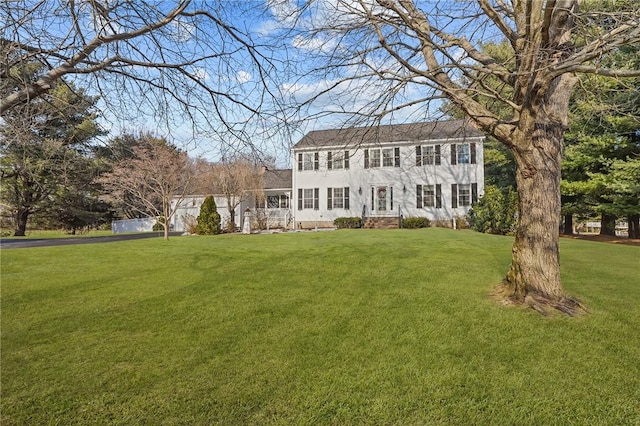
392	222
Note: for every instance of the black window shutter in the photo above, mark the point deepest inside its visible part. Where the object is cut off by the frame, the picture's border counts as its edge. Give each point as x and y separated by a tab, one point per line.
391	196
373	203
397	157
454	195
474	193
299	161
472	149
316	198
329	165
346	159
366	158
419	196
346	198
437	155
418	156
438	196
316	161
329	201
454	155
299	198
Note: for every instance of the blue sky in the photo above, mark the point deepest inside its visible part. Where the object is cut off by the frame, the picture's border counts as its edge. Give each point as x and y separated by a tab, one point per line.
262	21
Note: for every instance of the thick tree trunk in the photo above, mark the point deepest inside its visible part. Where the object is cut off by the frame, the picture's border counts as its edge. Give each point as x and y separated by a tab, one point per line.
608	225
535	267
534	276
568	224
634	226
21	216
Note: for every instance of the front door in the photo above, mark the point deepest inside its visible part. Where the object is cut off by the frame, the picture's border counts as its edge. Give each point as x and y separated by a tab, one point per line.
382	199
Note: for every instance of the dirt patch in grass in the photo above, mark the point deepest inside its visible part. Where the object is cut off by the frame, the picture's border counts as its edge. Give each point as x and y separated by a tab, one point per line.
605	239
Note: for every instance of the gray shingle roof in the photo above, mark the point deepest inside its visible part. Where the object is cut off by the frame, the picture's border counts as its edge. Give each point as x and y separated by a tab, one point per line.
355	136
277	179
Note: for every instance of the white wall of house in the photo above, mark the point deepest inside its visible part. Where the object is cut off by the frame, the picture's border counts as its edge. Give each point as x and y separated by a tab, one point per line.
389	187
190	206
273	213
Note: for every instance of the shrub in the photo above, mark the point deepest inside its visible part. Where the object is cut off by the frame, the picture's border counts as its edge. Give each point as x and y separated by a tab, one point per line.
416	222
209	218
495	212
159	225
348	222
190	223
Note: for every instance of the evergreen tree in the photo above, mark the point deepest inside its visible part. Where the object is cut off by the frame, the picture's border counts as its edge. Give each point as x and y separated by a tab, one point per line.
44	151
209	218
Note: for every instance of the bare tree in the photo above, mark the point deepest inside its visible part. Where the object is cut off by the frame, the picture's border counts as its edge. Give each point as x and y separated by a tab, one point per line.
235	178
156	175
395	55
187	61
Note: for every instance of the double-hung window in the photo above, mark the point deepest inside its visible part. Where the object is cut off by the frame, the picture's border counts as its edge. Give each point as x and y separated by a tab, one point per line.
429	196
338	198
463	195
337	160
385	157
308	161
308	198
463	153
428	155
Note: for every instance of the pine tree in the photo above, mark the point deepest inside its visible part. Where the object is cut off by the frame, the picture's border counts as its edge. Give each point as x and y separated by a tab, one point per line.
209	218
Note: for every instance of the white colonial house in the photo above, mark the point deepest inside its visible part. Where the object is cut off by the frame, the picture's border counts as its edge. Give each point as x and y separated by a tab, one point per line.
380	174
384	173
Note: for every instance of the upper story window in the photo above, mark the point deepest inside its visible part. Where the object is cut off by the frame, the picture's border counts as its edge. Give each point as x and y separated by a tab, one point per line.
308	161
337	160
385	157
428	155
463	153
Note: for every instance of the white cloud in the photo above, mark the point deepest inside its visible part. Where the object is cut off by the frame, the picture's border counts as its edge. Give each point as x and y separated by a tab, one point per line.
313	44
200	73
243	77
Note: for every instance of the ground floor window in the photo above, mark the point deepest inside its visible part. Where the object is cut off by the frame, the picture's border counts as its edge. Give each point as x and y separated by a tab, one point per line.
278	202
463	195
308	198
429	196
338	198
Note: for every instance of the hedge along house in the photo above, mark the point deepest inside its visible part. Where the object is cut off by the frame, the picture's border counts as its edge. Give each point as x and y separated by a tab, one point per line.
384	173
269	206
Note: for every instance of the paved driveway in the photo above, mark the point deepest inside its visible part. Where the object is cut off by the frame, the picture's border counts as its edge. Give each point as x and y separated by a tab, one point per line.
46	242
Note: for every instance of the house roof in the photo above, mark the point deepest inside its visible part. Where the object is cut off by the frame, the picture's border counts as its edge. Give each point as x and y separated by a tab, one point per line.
277	179
355	136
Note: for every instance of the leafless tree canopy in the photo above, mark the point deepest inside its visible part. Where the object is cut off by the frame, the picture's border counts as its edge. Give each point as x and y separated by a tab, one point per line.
149	181
381	57
376	58
164	62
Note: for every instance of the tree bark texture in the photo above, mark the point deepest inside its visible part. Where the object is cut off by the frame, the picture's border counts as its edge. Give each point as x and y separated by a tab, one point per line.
608	225
21	216
634	226
535	267
568	224
534	276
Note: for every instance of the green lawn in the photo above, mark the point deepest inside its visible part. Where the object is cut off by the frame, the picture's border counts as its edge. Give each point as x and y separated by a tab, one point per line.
347	327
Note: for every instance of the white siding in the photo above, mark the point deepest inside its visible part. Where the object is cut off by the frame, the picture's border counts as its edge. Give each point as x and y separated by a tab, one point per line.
403	180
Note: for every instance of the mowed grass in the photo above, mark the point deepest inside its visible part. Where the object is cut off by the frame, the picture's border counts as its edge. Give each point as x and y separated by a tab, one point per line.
344	328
